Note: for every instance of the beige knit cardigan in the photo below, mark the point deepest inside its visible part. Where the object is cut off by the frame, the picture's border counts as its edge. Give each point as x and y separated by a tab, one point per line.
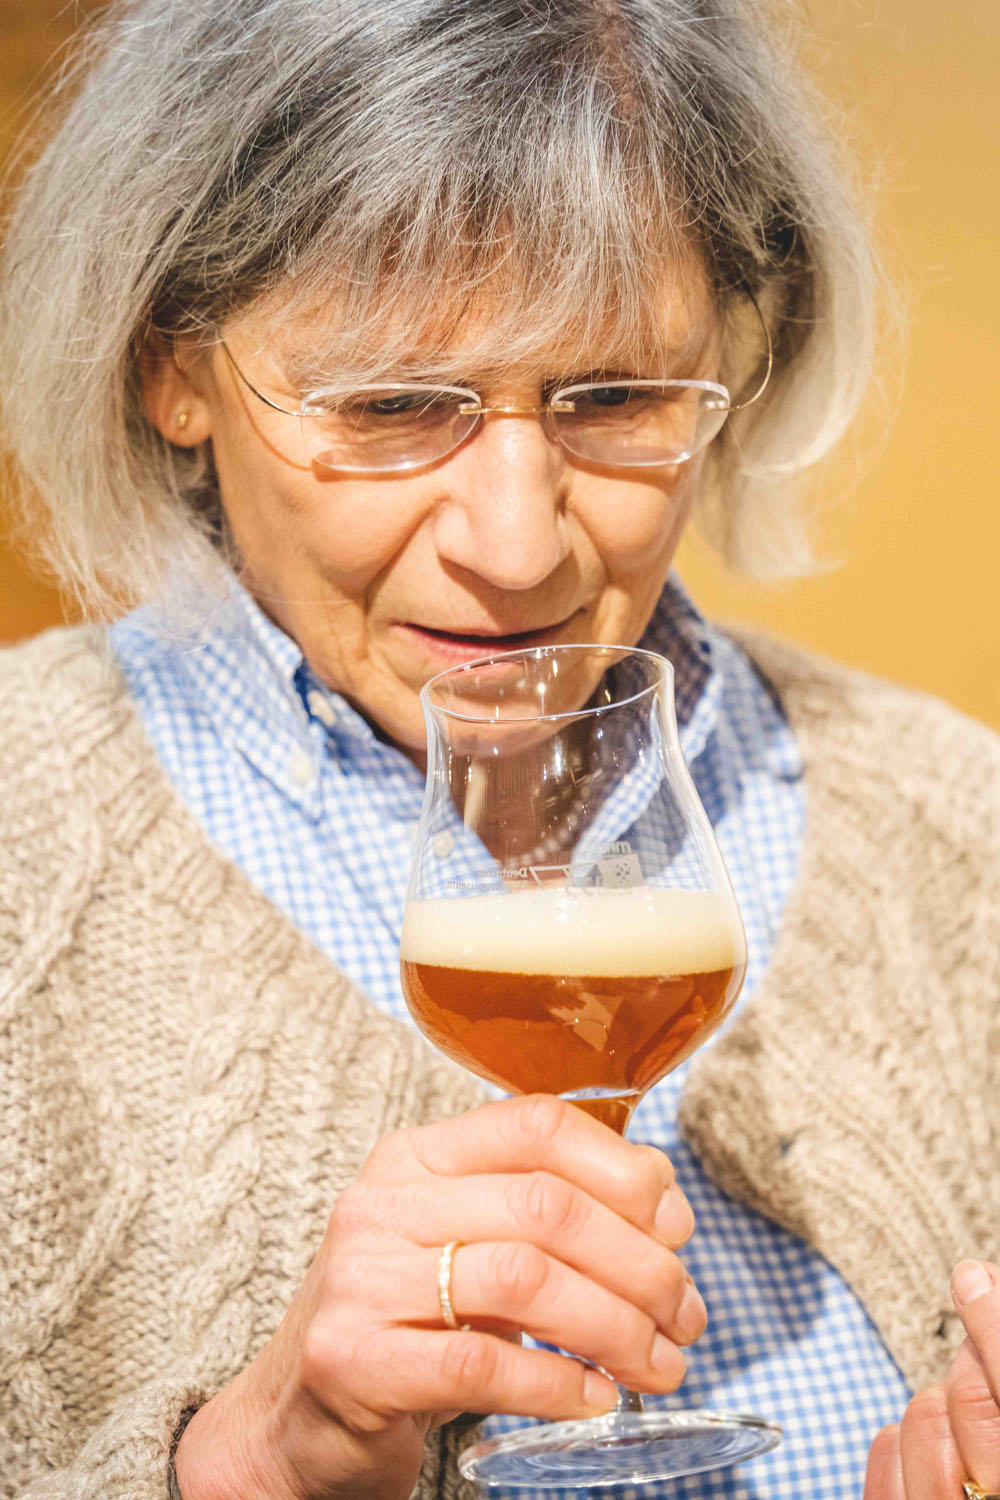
187	1083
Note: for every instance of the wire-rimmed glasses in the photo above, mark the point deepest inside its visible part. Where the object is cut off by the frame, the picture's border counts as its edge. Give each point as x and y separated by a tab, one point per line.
395	427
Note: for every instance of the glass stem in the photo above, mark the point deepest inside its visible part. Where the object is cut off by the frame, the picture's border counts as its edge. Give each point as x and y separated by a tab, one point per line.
628	1400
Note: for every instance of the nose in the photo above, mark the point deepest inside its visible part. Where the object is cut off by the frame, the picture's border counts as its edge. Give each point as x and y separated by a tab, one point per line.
503	516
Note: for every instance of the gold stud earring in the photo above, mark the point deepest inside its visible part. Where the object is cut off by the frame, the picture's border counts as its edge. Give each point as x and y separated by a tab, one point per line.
182	418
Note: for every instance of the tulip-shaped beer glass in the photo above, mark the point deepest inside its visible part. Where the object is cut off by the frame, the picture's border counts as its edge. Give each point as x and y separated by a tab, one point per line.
571	929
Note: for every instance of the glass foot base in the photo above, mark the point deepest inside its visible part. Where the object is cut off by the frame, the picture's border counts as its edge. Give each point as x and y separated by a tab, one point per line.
621	1448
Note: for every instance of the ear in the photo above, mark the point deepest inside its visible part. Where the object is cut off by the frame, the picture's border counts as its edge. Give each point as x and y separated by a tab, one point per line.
174	403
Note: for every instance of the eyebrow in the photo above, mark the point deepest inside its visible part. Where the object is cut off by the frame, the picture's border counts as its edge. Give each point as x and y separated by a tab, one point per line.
304	371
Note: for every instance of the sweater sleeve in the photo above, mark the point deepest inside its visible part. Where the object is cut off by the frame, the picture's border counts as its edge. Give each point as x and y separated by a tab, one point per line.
128	1456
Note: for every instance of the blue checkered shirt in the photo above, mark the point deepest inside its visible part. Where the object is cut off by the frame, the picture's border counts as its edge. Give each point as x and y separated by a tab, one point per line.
294	787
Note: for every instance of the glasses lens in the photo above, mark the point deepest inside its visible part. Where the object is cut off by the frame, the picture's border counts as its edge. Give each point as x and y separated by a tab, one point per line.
383	428
639	424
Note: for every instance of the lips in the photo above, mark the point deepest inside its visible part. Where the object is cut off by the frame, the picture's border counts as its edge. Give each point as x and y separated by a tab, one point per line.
488	640
465	645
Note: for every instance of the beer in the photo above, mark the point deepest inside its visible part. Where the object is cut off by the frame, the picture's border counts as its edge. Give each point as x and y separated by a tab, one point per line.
594	995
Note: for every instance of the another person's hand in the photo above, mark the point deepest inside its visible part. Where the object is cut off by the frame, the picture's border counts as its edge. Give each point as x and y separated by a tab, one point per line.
566	1231
950	1432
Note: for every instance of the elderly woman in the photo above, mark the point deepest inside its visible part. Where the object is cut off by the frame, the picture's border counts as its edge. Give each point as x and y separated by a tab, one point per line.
289	303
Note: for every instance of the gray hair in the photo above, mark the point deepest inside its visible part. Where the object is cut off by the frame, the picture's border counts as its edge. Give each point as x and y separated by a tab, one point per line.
398	160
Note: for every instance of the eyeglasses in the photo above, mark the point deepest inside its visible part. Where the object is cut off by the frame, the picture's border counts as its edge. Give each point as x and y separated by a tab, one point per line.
395	427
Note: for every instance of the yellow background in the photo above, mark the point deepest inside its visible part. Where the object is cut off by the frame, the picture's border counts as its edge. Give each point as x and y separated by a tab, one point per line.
917	540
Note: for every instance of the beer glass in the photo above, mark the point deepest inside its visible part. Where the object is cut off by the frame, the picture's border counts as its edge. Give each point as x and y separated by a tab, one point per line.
570	928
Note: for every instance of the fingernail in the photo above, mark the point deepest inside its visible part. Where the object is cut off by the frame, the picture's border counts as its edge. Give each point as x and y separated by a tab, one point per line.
969	1280
598	1392
692	1316
674	1220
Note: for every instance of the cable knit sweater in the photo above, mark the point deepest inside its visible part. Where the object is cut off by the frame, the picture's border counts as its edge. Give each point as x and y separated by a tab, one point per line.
187	1082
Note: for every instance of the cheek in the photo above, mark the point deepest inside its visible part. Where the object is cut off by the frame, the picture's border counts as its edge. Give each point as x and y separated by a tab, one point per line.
635	526
352	537
342	532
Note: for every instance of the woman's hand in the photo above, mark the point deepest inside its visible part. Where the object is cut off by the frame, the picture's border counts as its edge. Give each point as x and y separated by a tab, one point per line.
950	1432
565	1231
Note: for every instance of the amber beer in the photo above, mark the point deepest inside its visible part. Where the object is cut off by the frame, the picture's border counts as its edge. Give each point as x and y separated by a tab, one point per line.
594	995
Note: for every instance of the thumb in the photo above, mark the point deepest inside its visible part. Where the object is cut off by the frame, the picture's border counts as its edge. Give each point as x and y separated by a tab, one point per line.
973	1381
975	1291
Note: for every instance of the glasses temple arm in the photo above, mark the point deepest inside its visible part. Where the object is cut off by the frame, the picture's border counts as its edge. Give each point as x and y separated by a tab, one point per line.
770	358
253	389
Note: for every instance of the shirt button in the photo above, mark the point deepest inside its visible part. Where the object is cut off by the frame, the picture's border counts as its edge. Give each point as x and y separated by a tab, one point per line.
322	709
301	769
443	844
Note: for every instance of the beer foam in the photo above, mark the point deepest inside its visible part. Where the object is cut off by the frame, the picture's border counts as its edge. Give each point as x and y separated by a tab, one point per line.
617	934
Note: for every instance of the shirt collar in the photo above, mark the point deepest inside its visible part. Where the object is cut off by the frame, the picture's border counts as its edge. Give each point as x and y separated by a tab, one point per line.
244	673
678	631
266	703
702	658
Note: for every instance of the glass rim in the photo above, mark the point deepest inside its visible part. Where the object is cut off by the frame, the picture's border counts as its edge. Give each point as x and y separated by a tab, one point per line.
664	666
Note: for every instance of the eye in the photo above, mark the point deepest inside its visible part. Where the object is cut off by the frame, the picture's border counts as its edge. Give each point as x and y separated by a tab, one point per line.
611	395
382	407
401	403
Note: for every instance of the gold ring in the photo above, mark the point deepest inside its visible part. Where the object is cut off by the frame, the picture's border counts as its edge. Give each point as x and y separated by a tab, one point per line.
972	1491
444	1287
